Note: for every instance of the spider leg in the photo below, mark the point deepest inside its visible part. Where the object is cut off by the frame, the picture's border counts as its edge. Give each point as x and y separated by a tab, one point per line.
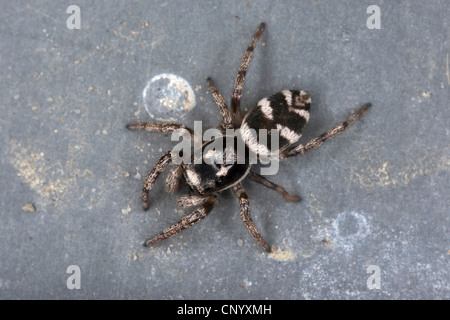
241	194
186	201
220	101
187	221
314	143
236	113
158	127
161	127
153	175
173	179
262	180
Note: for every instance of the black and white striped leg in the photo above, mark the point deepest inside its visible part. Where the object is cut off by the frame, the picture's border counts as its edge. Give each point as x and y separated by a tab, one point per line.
241	194
262	180
173	179
186	201
161	127
152	176
236	113
188	221
226	122
314	143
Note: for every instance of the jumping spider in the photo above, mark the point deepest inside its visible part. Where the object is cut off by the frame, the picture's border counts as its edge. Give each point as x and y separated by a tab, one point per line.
286	111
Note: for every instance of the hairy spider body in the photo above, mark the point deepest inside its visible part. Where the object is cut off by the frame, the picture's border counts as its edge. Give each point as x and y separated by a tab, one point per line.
219	169
286	112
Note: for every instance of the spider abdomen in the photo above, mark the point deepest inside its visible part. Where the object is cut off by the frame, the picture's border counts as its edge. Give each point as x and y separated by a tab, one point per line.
286	111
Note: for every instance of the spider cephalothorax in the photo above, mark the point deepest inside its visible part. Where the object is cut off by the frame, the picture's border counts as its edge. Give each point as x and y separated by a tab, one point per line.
215	173
285	113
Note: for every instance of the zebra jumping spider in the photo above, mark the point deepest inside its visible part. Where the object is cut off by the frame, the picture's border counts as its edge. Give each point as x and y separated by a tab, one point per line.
286	111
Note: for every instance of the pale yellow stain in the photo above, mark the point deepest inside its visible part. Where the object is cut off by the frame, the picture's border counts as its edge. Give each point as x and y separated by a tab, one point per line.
315	205
282	255
31	169
48	181
381	173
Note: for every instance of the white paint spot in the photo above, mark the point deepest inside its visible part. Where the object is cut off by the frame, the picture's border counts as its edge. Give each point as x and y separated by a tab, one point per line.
349	229
168	97
247	283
